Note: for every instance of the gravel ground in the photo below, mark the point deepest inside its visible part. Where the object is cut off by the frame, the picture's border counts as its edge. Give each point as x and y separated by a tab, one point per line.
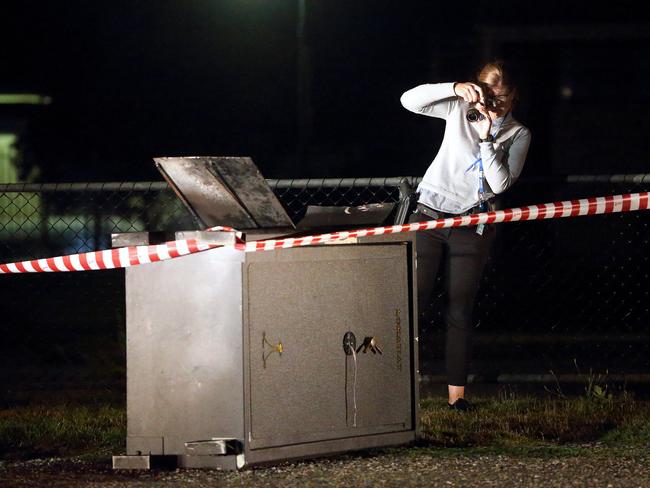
599	467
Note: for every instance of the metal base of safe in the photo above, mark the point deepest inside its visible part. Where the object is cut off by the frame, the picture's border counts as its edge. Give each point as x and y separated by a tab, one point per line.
259	457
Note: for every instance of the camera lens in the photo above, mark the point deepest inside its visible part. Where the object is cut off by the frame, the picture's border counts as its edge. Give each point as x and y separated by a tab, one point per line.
473	115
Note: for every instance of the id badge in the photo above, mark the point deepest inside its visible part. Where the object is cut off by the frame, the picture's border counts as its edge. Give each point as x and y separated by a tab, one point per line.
480	228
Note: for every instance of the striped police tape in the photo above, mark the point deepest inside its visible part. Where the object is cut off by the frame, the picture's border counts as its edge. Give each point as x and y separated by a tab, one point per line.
135	255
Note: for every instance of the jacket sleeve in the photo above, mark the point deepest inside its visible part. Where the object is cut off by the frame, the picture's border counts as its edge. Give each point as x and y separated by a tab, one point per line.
434	100
501	174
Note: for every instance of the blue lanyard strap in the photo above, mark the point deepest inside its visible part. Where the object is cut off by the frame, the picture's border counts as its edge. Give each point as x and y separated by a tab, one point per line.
481	174
481	186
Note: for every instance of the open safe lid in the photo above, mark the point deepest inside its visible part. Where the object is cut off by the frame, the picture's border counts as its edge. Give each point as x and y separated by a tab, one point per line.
227	191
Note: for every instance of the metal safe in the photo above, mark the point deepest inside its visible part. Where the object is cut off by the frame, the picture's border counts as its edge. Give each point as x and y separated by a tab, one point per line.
236	359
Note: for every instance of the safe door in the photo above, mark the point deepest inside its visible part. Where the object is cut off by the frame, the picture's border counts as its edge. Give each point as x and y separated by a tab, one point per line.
328	341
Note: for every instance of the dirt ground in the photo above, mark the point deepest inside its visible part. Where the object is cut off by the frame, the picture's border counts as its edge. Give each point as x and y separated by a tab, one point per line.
595	466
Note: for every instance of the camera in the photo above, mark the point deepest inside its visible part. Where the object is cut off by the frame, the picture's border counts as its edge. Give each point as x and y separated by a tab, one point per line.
473	115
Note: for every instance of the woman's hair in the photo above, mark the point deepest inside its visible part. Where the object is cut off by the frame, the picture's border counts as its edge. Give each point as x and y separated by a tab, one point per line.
496	72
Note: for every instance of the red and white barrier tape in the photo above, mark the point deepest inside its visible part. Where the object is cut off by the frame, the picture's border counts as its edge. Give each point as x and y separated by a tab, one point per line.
122	257
135	255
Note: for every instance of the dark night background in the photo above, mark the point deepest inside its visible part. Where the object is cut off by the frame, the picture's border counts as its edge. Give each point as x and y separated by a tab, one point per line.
131	80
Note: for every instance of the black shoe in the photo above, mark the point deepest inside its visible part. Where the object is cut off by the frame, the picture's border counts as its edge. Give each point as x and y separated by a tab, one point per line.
461	405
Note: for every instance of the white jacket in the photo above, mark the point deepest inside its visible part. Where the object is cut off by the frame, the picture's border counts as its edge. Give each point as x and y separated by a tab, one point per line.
451	184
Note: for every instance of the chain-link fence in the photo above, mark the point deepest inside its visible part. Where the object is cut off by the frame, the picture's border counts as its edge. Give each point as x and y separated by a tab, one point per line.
559	297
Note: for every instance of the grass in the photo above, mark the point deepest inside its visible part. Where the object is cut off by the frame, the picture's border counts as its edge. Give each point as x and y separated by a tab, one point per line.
44	431
523	422
526	425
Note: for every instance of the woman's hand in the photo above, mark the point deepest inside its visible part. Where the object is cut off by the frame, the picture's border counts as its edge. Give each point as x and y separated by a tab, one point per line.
470	92
484	125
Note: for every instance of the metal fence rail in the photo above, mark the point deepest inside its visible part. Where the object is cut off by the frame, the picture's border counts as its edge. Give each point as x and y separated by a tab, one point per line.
560	297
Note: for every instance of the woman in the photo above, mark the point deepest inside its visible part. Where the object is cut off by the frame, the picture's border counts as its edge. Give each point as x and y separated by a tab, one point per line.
481	155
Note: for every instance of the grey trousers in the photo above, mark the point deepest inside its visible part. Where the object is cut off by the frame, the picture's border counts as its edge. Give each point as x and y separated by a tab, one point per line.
463	254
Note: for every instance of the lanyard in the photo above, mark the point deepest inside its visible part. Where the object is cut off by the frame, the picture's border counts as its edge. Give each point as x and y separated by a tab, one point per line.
481	186
481	174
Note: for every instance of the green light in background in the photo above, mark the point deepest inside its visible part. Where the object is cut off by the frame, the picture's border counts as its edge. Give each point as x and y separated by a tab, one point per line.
8	153
24	99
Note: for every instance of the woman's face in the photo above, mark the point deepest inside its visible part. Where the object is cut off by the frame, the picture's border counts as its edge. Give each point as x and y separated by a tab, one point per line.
501	96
